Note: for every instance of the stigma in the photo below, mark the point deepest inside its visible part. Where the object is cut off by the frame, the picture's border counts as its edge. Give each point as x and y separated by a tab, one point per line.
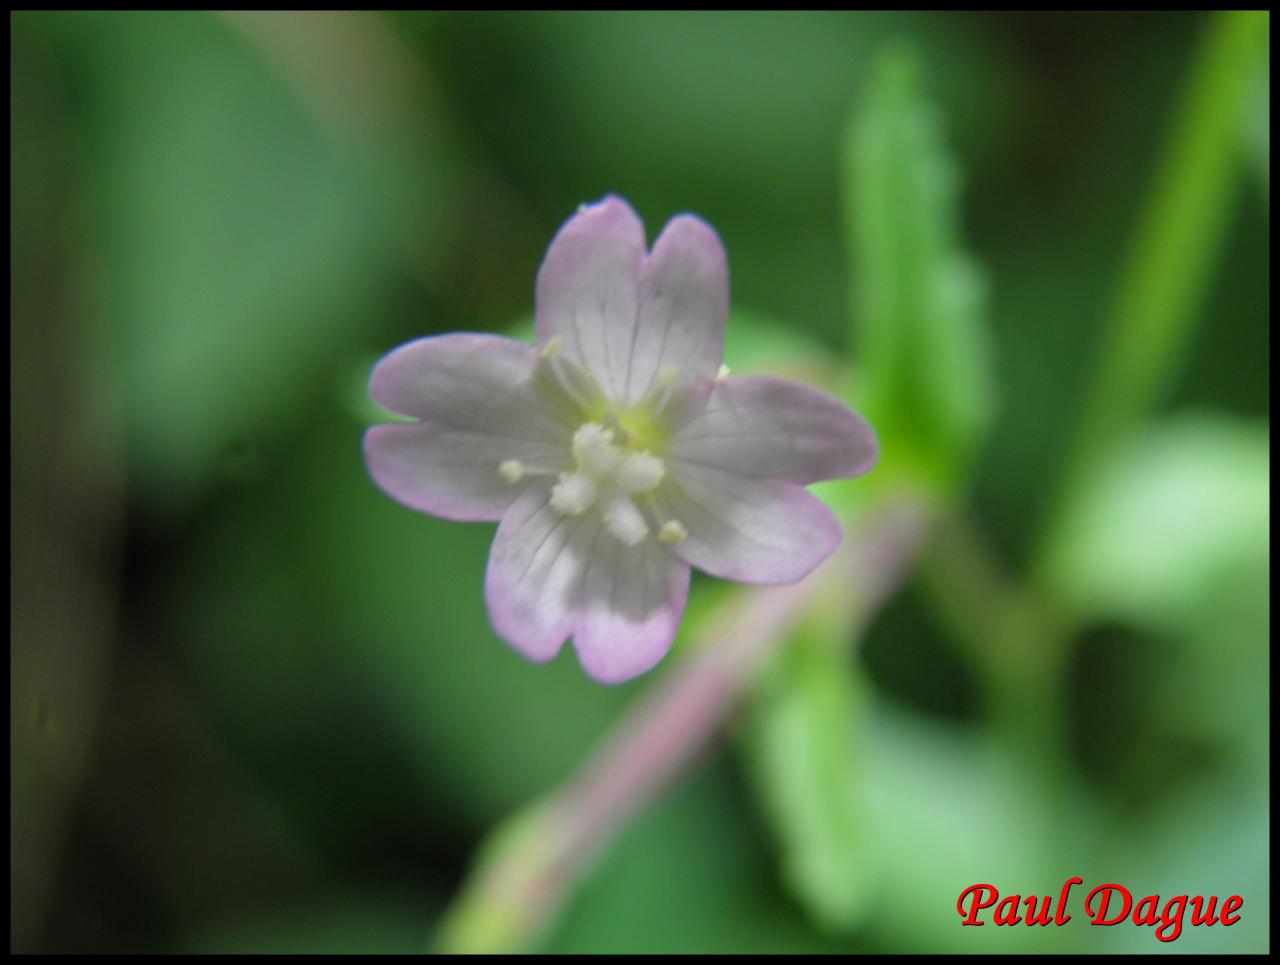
606	476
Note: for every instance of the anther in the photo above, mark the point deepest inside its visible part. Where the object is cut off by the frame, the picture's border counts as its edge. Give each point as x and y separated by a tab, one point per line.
640	472
673	532
573	494
625	522
594	450
511	470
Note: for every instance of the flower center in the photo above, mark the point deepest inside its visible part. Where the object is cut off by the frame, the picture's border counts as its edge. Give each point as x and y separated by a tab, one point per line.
609	469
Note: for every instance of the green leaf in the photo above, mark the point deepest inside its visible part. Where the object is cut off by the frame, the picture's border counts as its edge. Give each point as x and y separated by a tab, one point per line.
1177	246
492	914
244	241
918	305
1172	535
685	877
946	809
1155	529
802	743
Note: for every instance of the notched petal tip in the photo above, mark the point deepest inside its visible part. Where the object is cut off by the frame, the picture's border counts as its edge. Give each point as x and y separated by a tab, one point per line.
622	631
692	231
689	252
608	217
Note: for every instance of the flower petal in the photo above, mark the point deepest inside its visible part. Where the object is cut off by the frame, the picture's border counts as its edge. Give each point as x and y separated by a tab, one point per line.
627	317
588	290
631	604
535	571
777	429
745	529
467	381
684	302
552	576
481	408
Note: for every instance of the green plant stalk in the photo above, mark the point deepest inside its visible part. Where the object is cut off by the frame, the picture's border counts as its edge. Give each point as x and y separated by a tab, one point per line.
1012	632
1011	635
1177	244
528	866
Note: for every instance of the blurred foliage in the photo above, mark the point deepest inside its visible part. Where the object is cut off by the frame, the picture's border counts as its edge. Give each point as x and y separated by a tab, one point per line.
257	706
1169	522
922	341
1177	244
810	773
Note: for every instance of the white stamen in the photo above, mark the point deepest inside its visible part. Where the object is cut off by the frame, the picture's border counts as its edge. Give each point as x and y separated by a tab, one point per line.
673	532
722	374
511	470
639	472
573	494
625	522
594	450
607	474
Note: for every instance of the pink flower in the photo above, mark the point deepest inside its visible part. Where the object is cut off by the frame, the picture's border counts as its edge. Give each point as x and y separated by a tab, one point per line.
618	452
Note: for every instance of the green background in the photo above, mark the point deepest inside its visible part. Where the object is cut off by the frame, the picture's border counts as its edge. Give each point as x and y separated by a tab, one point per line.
257	706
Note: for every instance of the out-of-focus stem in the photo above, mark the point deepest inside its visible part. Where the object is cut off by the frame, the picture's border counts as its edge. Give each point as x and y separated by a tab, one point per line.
526	871
1013	636
1160	292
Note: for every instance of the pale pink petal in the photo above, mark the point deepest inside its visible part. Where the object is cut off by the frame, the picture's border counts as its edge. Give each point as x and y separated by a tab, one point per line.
552	576
684	303
588	290
776	429
535	572
745	529
642	325
477	397
631	604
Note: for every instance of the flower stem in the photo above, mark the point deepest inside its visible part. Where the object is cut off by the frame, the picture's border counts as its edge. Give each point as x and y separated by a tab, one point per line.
1013	637
528	866
1178	242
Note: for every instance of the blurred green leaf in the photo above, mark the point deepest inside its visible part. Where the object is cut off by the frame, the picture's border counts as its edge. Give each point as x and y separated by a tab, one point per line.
1219	687
1176	249
1173	536
1207	840
687	876
242	246
946	810
320	607
918	308
802	743
1160	523
494	912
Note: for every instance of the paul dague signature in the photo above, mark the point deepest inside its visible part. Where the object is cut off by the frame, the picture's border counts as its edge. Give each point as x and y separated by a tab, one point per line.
1098	908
